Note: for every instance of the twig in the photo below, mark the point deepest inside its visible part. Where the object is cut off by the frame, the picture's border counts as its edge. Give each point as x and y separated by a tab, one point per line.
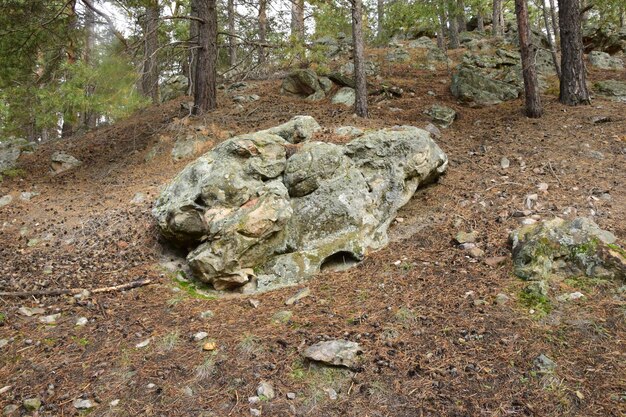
121	287
236	403
554	173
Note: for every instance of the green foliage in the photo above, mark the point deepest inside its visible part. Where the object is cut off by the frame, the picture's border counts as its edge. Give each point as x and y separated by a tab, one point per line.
538	302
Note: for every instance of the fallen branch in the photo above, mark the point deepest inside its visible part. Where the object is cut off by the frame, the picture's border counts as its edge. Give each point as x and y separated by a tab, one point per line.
71	291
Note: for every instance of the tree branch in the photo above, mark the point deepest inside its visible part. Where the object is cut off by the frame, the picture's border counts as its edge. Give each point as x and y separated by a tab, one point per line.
116	32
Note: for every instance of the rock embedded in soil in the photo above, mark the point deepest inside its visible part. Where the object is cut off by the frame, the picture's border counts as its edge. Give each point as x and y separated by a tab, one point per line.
345	96
442	115
466	237
32	404
544	364
335	352
61	162
265	390
260	212
605	61
6	200
51	319
304	292
81	404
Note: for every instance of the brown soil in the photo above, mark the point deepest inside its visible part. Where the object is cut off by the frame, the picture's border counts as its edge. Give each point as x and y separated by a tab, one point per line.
435	342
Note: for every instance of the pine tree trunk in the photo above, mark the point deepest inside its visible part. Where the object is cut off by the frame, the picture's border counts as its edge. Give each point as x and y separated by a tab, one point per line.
88	116
480	20
359	59
573	88
297	20
194	26
150	75
496	27
442	27
555	24
555	58
453	27
527	50
262	30
441	37
460	13
232	44
380	11
206	67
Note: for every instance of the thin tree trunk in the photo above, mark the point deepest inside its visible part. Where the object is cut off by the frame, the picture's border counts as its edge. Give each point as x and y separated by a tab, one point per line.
69	114
527	51
150	76
206	67
460	16
453	27
441	37
297	20
380	11
480	21
88	116
442	26
359	59
555	24
555	58
262	29
496	28
232	43
573	87
194	26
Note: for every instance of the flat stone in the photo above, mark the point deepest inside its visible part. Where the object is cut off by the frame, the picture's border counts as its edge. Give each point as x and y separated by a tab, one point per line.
334	352
6	200
32	404
496	261
29	312
51	319
544	364
266	390
80	404
200	335
82	321
466	237
502	299
304	292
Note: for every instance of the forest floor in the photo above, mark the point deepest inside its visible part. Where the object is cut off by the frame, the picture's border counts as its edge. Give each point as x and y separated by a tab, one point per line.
435	341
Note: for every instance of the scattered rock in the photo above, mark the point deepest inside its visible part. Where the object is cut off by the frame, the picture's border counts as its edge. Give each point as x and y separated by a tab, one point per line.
465	237
291	395
282	316
476	253
502	299
114	403
434	131
255	412
544	364
28	195
209	346
332	394
470	86
505	163
10	409
605	61
304	292
29	312
335	352
32	404
265	390
138	198
613	89
602	36
3	343
6	200
254	303
199	336
82	321
80	404
51	319
61	162
206	315
570	297
567	248
303	83
345	96
142	344
495	261
442	115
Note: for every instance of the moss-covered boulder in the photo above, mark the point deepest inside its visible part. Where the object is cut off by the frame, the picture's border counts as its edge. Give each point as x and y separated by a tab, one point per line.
564	248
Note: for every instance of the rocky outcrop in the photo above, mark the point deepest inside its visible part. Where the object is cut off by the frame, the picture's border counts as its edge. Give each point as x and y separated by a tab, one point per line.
613	89
473	87
174	86
345	96
10	151
61	162
603	60
442	115
304	83
259	212
604	37
576	248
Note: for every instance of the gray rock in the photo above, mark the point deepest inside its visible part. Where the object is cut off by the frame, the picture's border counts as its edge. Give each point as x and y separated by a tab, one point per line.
303	83
206	314
442	115
544	364
470	86
61	162
10	151
466	237
371	69
304	292
173	87
81	404
335	352
200	336
6	200
332	394
326	84
423	42
296	130
10	409
345	96
603	60
256	216
82	321
613	89
566	248
255	412
502	299
28	195
51	319
29	312
602	36
3	343
329	45
505	163
32	404
434	131
397	55
348	131
291	395
265	389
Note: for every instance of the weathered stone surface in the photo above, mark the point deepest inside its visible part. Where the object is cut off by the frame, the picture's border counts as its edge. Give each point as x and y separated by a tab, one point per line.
61	162
10	151
566	248
371	68
604	37
174	86
257	216
296	130
423	42
303	83
470	86
613	89
348	131
335	352
603	60
442	115
397	55
345	96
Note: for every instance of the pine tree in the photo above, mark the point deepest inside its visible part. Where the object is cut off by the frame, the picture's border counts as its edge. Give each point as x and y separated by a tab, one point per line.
573	86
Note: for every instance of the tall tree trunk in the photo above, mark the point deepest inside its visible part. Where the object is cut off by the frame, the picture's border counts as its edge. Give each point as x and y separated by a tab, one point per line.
194	26
442	27
359	59
441	36
205	97
297	20
453	26
262	30
480	21
150	75
527	50
573	87
555	58
232	44
496	27
88	116
69	114
380	12
555	24
460	16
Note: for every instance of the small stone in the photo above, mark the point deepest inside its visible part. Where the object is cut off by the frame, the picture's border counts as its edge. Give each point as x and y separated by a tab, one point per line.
83	404
291	395
138	198
579	395
543	187
142	344
254	303
255	412
332	394
151	385
465	237
478	302
266	390
304	292
527	221
505	163
544	364
334	352
114	403
209	346
476	253
82	321
530	200
282	316
467	246
199	336
32	404
495	261
3	343
10	409
51	319
188	391
206	314
502	299
28	195
6	200
29	312
253	400
570	297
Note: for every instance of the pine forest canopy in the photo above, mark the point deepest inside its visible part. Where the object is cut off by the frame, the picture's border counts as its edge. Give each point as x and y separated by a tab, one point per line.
70	65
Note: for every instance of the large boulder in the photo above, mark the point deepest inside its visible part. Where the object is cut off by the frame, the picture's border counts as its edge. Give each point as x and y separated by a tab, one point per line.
472	86
61	162
423	42
258	212
345	96
604	37
442	115
613	89
576	248
10	151
173	87
303	83
603	60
